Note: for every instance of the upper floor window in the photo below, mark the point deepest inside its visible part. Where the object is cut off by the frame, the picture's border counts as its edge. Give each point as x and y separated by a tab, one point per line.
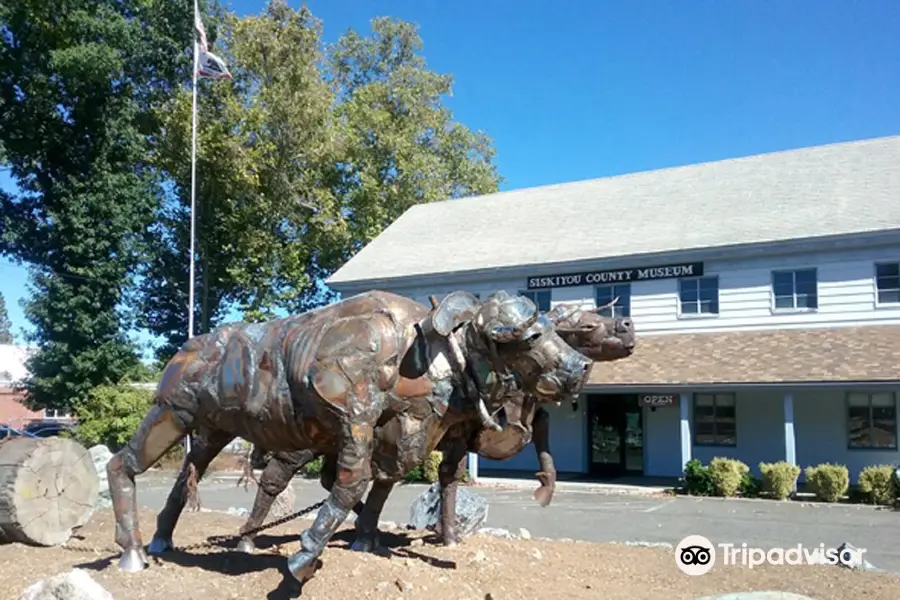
699	295
605	294
794	290
541	298
872	420
887	282
715	420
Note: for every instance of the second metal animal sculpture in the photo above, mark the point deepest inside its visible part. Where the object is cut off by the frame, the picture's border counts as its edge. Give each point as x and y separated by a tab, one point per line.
324	381
524	420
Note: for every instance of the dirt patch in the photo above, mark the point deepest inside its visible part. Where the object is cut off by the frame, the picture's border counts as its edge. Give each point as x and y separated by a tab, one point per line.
414	568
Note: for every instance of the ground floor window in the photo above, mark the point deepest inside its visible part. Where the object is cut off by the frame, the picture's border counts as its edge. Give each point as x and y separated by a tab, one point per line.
541	298
714	420
872	420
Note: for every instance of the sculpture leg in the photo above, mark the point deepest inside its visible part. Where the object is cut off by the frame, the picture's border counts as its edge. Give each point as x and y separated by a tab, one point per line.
354	471
203	451
367	522
448	475
541	440
329	476
274	479
161	429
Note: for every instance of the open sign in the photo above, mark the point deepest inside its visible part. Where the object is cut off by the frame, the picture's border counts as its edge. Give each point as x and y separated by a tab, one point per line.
658	400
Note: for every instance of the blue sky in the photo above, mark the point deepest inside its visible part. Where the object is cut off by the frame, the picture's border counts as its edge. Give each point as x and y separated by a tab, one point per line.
588	88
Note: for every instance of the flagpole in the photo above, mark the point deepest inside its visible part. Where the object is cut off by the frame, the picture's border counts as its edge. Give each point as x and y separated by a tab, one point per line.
190	333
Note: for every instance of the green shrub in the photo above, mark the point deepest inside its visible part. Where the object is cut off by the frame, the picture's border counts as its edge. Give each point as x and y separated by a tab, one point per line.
431	468
727	474
779	478
313	469
829	482
416	475
110	415
877	484
698	480
750	486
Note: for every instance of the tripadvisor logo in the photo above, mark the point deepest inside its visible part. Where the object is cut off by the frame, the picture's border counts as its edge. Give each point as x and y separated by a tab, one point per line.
696	555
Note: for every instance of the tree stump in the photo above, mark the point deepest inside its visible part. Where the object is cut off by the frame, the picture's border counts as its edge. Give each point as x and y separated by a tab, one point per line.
48	487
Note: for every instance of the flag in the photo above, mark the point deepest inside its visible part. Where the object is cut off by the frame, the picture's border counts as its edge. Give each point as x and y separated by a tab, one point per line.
212	67
209	65
201	31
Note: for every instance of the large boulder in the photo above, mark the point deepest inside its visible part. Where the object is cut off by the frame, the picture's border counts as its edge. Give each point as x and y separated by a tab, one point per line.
100	454
74	585
471	510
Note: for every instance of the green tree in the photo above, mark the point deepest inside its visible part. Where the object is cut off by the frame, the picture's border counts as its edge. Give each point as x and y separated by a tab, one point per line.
77	84
6	336
303	158
401	146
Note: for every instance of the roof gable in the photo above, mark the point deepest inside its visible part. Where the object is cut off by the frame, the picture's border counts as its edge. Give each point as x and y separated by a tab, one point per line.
829	190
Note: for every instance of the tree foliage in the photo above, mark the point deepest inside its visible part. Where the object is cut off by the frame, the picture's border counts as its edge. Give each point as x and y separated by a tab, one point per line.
77	84
6	335
303	158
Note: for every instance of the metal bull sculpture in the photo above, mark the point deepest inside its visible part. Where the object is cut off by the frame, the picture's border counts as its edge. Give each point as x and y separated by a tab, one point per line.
524	420
324	381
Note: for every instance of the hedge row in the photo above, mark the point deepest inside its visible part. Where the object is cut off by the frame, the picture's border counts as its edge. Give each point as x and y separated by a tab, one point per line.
829	482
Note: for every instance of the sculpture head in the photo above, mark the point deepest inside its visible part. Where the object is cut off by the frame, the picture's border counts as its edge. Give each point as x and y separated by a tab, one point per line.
527	344
594	335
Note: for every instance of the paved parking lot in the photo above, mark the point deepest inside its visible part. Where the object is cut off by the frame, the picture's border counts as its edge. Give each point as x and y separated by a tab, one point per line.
592	516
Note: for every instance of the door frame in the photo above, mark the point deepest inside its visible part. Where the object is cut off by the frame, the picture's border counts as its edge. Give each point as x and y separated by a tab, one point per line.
618	403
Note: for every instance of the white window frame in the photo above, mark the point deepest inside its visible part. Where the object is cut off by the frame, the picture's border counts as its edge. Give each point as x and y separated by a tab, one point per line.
878	290
794	308
616	312
698	315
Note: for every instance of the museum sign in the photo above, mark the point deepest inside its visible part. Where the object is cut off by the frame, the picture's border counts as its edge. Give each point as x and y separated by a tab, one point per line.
615	276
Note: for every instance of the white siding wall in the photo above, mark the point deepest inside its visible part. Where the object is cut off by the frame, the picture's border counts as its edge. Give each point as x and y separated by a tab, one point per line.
846	290
568	443
820	430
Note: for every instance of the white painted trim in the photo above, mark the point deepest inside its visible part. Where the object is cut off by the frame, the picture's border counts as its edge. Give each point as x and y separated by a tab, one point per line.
685	435
473	466
790	441
728	386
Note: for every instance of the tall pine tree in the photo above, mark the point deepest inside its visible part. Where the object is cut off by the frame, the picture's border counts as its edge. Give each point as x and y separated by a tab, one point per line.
6	336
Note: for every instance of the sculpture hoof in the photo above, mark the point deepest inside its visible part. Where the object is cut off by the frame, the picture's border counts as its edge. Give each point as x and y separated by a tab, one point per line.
246	546
365	544
132	561
302	566
160	545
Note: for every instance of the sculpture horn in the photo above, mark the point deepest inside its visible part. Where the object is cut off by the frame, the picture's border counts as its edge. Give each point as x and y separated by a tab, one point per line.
605	306
521	329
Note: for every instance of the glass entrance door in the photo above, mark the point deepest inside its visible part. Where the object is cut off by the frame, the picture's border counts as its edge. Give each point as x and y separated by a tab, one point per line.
615	435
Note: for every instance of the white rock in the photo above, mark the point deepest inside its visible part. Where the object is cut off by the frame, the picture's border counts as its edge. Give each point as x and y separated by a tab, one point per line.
524	533
74	585
480	556
537	554
495	532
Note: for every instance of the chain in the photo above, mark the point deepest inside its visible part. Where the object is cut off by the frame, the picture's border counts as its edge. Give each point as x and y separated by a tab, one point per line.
211	542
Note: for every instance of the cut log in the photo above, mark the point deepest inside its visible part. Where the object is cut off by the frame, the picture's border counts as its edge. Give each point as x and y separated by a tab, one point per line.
48	487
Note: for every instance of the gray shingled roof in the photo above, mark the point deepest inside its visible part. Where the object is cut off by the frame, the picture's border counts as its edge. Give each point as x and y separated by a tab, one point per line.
826	190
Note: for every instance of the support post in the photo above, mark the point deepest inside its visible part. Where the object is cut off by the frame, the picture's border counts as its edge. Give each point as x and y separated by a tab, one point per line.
684	405
473	467
790	442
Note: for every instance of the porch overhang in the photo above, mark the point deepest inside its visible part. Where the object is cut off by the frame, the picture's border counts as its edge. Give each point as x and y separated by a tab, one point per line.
852	356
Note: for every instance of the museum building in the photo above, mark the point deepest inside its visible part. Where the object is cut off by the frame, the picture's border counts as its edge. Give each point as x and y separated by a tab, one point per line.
765	291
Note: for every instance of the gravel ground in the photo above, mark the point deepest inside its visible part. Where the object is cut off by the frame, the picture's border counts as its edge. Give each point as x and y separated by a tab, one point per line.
413	567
